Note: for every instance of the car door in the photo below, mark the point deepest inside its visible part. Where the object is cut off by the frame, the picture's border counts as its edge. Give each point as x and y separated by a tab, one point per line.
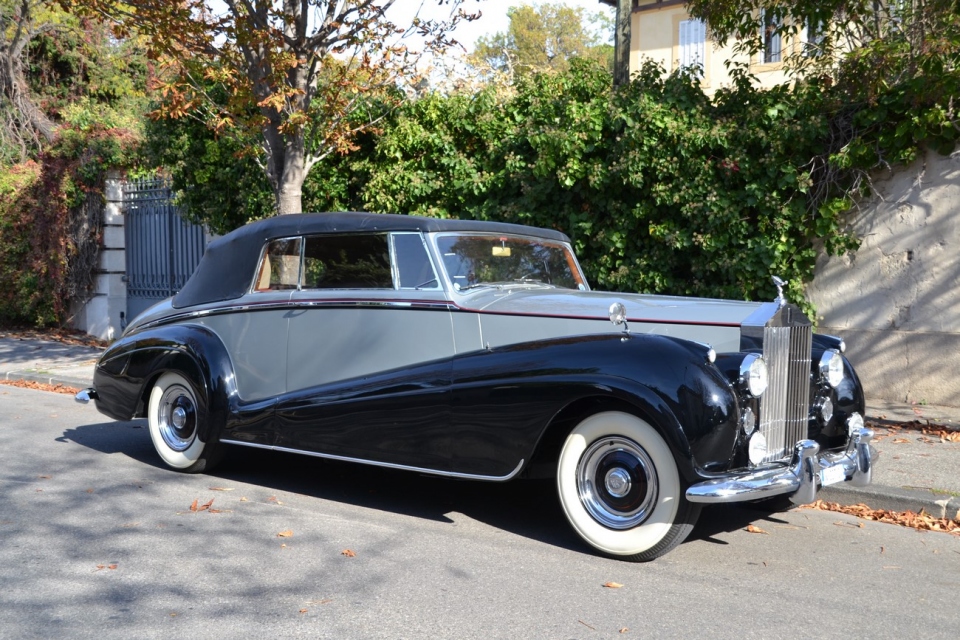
369	348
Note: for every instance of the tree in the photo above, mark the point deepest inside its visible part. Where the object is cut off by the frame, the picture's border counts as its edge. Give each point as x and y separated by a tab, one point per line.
25	126
622	36
299	75
545	37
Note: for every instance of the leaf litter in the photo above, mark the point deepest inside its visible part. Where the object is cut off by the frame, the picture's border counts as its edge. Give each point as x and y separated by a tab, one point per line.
920	521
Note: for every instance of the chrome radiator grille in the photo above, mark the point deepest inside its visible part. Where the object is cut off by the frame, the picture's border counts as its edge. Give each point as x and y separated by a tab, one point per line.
784	408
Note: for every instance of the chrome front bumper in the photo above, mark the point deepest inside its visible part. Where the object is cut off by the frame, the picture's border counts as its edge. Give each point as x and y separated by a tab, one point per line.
801	479
86	395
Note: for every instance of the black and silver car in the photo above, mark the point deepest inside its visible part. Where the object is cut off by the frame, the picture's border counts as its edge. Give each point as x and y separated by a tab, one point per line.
477	350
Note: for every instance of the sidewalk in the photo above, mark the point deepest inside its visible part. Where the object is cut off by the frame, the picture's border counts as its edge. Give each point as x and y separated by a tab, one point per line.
915	471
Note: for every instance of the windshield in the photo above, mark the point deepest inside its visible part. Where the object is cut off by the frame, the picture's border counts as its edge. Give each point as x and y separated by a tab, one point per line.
478	259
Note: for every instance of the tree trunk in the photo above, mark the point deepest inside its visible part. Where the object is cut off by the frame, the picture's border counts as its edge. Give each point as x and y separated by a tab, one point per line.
26	123
621	55
289	187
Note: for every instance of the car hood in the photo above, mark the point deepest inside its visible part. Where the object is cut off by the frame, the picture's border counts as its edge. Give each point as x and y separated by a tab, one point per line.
525	300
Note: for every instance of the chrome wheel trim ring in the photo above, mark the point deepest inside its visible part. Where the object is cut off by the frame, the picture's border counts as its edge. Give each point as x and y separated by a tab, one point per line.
617	483
177	417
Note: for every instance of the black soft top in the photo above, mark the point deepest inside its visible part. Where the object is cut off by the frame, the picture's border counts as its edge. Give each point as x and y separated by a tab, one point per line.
227	267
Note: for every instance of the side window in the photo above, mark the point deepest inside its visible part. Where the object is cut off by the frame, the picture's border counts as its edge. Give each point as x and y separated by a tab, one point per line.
414	270
347	261
279	266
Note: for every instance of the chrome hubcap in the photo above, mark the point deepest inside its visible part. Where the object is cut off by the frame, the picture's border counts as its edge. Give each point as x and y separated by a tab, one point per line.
617	483
177	417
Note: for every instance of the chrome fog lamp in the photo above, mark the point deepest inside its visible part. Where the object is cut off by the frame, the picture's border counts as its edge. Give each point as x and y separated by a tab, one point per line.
824	410
748	421
757	448
753	375
854	422
831	367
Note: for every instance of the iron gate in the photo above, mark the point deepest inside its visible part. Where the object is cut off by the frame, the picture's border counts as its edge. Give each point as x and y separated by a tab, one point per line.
163	249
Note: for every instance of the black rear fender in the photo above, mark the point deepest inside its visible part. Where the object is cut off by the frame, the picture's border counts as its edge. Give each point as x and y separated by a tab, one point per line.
129	369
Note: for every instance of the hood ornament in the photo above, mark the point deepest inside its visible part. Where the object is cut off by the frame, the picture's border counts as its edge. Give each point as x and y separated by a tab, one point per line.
778	283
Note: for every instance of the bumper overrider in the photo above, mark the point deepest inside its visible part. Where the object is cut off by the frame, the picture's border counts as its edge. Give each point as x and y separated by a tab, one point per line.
800	479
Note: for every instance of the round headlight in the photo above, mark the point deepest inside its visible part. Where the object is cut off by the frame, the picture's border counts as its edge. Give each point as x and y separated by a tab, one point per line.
748	421
825	410
757	448
753	375
831	367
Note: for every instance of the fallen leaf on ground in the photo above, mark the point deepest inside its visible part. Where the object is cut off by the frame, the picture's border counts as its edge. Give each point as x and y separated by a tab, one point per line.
44	477
900	441
101	567
303	610
193	505
324	601
624	629
349	553
285	534
221	488
754	529
920	521
41	386
612	585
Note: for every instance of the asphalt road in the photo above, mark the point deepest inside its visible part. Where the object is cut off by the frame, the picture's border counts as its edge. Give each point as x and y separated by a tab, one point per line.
97	540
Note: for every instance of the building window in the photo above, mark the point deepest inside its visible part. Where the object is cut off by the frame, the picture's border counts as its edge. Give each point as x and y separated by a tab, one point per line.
693	39
813	47
771	37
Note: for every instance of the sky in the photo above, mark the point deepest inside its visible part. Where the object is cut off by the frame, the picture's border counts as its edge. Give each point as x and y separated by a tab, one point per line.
494	17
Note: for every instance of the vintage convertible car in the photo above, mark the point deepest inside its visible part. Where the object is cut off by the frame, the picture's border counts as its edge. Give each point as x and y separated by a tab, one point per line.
476	350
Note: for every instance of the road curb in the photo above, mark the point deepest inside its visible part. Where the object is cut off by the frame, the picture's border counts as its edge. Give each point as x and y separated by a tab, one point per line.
66	381
894	499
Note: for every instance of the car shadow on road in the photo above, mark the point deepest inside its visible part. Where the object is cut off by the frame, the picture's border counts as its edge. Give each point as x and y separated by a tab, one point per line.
127	438
527	508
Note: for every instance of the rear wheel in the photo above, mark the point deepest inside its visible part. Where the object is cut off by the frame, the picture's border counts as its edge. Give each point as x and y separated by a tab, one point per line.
620	489
174	418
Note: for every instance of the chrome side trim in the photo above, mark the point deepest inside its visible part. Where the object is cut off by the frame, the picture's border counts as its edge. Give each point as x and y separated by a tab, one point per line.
387	465
800	479
298	304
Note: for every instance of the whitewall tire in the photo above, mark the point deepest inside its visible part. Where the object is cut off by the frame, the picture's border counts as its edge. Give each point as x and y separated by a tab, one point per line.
620	489
174	418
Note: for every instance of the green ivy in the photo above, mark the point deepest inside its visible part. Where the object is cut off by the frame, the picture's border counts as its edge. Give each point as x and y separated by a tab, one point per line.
662	188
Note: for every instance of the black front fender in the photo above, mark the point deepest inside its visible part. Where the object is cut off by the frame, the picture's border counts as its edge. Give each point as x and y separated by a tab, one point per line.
506	398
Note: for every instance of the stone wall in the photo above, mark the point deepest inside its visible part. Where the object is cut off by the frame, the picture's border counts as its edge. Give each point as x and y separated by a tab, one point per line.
896	301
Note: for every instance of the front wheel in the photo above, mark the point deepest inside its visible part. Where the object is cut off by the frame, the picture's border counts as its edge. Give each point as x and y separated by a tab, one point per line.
620	489
174	418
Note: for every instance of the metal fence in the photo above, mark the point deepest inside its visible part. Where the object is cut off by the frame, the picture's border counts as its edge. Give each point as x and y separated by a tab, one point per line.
162	248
